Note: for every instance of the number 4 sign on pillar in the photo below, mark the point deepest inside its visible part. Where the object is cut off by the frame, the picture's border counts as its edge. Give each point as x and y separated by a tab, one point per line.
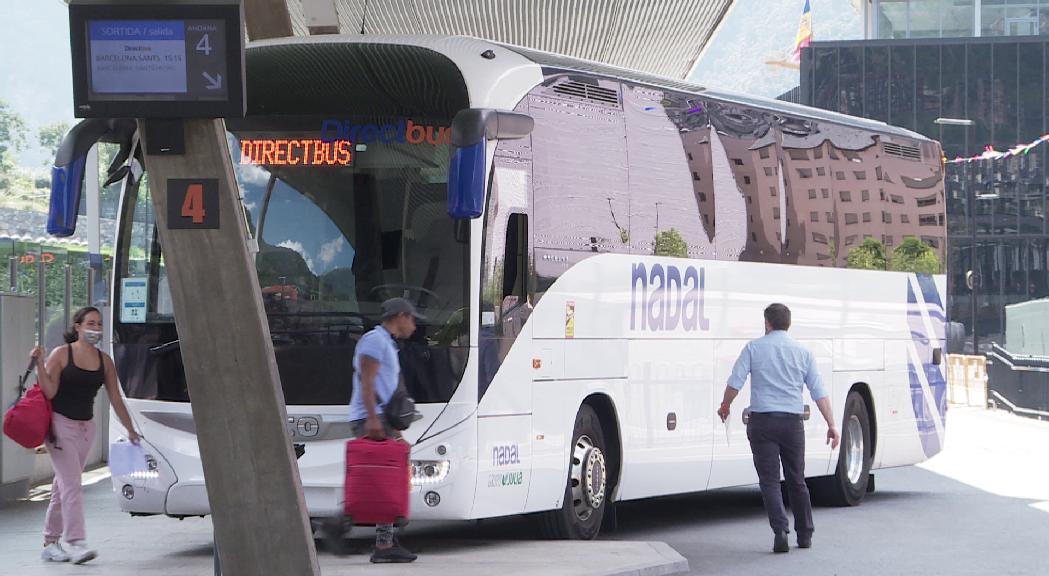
193	203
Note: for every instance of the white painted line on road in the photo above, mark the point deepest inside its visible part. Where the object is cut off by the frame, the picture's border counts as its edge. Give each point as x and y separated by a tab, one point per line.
1043	506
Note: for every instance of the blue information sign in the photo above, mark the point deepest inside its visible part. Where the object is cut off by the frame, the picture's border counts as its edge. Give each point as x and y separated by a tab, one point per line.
138	56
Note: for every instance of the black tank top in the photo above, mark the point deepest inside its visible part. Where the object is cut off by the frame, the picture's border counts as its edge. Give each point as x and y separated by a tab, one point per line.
77	389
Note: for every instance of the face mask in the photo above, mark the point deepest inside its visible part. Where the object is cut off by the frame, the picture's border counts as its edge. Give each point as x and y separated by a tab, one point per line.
92	337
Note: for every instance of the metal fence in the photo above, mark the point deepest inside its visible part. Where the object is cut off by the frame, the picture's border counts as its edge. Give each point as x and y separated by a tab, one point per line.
62	278
1019	383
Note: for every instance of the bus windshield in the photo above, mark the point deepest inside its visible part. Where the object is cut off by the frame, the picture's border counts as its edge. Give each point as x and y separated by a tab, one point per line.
345	214
348	213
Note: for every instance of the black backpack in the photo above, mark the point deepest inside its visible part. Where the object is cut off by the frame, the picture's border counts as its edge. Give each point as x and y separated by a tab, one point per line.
399	410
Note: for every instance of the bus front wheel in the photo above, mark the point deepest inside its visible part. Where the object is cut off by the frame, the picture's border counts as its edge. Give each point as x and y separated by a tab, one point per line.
586	490
848	485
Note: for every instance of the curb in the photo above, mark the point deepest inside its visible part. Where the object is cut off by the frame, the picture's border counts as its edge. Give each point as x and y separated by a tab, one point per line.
670	562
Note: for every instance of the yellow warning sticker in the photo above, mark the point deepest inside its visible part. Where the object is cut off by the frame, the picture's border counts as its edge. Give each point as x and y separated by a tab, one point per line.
570	319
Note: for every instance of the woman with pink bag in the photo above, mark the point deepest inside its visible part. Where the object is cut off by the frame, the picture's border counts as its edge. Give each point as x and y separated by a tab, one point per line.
71	378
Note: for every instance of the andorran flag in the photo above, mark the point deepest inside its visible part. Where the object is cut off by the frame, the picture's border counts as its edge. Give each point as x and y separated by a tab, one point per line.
804	36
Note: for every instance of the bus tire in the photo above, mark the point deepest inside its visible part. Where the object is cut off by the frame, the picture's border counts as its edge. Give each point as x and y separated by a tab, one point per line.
586	491
848	485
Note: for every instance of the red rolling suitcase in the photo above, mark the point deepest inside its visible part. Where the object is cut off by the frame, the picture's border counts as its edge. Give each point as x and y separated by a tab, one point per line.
377	482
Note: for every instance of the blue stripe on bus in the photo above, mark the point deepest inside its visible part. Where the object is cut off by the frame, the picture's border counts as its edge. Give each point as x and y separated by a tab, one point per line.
924	343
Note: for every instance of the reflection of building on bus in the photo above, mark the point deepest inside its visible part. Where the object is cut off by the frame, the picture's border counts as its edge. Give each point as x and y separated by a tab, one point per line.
538	393
279	298
822	190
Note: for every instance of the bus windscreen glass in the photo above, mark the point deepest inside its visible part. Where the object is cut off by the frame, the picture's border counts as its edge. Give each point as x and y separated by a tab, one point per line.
348	213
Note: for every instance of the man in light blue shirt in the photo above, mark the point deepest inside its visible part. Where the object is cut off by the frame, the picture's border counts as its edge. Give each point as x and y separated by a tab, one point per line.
778	368
376	374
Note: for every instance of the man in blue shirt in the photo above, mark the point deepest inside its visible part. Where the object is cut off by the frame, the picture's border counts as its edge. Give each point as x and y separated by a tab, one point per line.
376	374
778	367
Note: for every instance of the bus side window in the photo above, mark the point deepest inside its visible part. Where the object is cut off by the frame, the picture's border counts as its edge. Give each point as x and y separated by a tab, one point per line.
515	305
506	285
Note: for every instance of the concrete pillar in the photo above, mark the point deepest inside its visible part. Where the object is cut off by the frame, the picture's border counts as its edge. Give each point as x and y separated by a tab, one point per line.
321	16
267	19
258	510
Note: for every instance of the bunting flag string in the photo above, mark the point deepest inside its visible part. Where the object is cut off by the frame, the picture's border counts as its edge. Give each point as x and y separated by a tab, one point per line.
989	153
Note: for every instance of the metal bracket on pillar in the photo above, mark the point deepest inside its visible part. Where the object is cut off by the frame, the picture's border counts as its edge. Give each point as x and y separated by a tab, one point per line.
165	137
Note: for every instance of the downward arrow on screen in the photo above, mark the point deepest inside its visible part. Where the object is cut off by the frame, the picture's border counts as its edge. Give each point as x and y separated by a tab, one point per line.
214	83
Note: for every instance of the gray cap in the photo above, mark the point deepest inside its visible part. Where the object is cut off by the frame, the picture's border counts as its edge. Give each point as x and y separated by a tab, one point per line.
397	306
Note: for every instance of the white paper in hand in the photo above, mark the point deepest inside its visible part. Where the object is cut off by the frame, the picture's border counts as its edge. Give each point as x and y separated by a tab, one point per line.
126	458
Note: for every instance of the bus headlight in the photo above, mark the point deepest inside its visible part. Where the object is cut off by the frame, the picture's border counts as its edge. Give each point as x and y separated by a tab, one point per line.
426	472
150	473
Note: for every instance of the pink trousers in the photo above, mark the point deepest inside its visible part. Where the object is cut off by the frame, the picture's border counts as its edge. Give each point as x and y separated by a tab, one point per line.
65	514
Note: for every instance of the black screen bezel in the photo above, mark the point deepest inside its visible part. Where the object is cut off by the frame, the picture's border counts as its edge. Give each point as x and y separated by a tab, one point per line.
146	107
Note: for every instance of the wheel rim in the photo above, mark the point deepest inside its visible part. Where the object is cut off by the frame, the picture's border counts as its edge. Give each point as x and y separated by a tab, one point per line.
587	478
854	452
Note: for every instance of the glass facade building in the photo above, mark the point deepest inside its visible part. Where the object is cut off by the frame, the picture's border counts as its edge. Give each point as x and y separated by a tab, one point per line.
899	19
1000	205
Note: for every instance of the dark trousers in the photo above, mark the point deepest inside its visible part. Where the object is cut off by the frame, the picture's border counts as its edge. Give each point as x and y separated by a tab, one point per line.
776	438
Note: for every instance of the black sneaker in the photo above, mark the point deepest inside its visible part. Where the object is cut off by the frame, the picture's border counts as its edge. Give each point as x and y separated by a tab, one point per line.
394	555
336	530
780	544
804	540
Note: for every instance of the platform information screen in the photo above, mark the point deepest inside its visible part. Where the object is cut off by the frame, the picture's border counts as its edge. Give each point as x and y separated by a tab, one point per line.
157	61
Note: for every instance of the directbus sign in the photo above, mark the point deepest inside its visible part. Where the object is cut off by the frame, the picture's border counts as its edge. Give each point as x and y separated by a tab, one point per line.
296	152
159	60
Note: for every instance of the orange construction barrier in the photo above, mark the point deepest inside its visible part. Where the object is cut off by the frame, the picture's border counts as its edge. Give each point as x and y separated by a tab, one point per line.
967	380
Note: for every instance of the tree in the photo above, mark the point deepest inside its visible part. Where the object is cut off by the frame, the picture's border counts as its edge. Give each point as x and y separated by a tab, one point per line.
670	243
870	255
12	134
913	255
12	139
50	137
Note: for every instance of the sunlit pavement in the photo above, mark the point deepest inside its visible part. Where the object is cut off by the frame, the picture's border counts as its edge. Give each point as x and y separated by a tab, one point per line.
980	507
165	546
996	452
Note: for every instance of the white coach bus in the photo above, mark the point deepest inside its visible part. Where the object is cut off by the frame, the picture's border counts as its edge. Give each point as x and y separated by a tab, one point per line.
591	247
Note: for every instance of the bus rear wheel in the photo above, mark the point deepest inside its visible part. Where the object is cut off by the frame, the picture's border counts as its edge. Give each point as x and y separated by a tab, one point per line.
586	491
848	485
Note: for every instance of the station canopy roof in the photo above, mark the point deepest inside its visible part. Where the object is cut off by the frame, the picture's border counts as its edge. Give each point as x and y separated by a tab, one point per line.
661	37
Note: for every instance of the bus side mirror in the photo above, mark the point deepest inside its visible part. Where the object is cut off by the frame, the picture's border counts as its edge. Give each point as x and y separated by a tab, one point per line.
466	181
67	182
67	174
471	129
